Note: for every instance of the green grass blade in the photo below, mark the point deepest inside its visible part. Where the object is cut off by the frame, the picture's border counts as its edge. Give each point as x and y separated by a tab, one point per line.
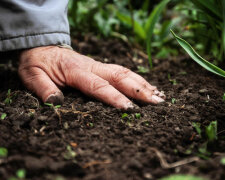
138	29
223	4
197	58
150	24
209	7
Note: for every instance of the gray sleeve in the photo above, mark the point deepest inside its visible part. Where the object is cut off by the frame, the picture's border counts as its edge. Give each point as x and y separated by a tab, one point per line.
32	23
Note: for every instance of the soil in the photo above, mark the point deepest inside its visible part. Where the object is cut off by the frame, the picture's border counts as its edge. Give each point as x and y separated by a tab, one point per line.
86	139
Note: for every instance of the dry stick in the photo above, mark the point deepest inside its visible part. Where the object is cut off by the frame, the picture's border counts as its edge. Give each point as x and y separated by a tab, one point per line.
166	165
92	163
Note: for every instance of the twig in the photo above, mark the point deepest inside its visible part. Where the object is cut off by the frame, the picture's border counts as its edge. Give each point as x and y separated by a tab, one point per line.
166	165
92	163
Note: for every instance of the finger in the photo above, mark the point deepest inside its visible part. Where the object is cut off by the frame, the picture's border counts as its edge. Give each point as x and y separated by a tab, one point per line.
39	82
127	82
97	87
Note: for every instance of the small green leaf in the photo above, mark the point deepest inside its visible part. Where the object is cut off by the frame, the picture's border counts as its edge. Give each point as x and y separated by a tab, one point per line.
138	115
181	177
21	173
57	106
173	100
222	161
49	104
197	58
124	115
142	69
3	116
3	152
224	97
211	131
197	127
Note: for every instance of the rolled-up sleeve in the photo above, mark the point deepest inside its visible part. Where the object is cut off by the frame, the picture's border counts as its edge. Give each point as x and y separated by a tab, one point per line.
33	23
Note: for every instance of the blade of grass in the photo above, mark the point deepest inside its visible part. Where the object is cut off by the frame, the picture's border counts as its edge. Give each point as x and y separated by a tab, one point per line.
197	58
209	7
137	27
223	9
150	24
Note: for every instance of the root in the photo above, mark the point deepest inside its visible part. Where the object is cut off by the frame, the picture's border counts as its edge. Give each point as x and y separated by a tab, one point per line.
165	165
92	163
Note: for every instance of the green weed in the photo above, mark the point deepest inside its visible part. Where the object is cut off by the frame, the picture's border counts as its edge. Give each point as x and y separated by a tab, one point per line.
223	97
3	152
9	96
3	116
182	177
173	100
52	106
69	154
211	131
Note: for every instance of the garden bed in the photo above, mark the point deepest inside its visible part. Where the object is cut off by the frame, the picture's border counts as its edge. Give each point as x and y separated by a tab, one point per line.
86	139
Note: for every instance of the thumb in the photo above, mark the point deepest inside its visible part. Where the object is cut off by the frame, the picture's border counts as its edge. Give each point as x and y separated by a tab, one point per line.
37	81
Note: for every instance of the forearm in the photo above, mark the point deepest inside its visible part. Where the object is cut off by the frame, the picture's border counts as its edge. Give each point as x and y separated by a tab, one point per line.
26	24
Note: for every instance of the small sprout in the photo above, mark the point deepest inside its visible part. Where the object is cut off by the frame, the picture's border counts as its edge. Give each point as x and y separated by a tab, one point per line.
173	100
21	173
203	152
222	161
142	69
197	127
70	154
8	99
3	116
3	152
173	81
183	73
124	115
211	131
224	97
90	124
146	123
138	115
51	105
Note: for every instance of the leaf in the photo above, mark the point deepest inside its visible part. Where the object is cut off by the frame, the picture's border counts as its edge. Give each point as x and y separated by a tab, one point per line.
208	7
138	29
223	33
211	131
182	177
3	116
150	25
3	152
197	58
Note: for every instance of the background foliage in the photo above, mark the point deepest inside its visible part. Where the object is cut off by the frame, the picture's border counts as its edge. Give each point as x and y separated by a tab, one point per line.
147	24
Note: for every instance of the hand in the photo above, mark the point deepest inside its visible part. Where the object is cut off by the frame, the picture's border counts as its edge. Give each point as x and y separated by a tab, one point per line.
44	69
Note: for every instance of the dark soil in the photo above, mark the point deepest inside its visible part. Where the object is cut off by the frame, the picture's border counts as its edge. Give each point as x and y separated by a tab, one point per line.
42	140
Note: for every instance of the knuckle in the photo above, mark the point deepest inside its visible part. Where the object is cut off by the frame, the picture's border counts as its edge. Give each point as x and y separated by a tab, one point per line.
119	74
98	84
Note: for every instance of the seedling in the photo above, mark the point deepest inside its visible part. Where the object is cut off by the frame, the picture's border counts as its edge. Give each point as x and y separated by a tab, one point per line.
70	154
224	97
52	106
124	115
3	152
173	81
222	161
3	116
21	173
211	131
138	115
90	124
8	99
173	100
181	177
197	127
142	69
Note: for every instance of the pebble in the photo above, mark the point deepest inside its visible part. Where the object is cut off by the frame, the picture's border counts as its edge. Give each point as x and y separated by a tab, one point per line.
42	118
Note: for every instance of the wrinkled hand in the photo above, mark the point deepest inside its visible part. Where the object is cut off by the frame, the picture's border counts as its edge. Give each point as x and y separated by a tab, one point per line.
44	69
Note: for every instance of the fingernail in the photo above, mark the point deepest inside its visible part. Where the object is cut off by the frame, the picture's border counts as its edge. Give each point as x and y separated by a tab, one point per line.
55	99
157	99
129	105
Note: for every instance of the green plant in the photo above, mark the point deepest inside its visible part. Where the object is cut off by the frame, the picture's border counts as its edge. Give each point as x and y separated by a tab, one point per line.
145	31
211	131
181	177
69	154
222	161
173	81
197	58
9	96
197	127
138	115
3	116
21	173
224	97
52	106
3	152
173	100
